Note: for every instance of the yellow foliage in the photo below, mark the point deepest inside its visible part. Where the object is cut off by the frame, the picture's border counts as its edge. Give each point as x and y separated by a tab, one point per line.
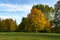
38	19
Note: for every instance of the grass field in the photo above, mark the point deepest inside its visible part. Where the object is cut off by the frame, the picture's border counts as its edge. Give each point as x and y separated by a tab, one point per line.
28	36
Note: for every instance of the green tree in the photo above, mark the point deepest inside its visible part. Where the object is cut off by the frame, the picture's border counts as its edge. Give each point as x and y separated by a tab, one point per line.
22	25
57	17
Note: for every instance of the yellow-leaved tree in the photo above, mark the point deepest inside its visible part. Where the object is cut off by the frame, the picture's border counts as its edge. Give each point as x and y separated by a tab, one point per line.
39	22
35	21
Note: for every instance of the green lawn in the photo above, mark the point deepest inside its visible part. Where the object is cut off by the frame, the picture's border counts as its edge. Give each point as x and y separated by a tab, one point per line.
28	36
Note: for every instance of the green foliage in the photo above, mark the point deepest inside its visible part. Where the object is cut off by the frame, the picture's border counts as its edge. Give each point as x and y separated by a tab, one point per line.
21	26
56	22
45	9
39	7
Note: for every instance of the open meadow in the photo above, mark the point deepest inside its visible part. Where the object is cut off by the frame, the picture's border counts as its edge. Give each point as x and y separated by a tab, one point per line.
28	36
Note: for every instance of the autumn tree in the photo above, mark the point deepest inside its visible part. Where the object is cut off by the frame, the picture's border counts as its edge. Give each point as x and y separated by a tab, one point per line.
11	24
8	25
35	21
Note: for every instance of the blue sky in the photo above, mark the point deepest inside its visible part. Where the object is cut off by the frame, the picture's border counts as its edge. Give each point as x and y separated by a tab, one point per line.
17	9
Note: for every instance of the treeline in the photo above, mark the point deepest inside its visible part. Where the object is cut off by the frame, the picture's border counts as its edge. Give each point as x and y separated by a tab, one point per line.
38	20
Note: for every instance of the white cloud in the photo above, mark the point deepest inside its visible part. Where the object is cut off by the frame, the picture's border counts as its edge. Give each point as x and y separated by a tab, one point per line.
17	18
14	17
13	7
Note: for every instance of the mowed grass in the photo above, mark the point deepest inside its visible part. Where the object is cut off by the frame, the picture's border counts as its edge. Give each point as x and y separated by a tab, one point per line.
28	36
